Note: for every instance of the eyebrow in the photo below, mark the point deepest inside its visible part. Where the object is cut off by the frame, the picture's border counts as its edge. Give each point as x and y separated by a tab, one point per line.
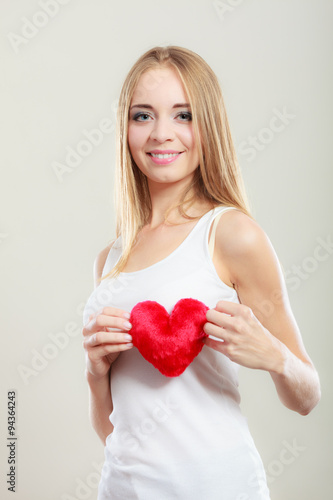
148	106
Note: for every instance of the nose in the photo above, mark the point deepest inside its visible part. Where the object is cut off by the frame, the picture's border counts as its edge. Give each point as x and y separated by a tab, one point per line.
162	130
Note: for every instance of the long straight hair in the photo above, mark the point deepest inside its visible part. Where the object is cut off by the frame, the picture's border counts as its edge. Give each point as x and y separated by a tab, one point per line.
217	180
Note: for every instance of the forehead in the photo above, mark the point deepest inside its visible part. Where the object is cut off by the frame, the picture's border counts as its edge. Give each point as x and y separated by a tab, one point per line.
159	85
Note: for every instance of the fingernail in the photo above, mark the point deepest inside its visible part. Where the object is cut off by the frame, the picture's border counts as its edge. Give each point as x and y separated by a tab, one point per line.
127	324
127	315
127	337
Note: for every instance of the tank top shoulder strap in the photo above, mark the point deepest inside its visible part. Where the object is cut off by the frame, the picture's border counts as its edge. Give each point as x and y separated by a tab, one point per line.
218	212
200	230
112	257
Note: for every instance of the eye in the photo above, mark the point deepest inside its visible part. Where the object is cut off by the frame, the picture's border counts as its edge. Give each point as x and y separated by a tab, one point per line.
185	116
141	117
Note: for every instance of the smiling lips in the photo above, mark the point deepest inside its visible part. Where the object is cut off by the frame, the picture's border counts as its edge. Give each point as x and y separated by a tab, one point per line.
164	157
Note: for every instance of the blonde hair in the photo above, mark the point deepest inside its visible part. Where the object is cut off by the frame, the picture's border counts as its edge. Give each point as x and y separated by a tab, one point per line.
217	180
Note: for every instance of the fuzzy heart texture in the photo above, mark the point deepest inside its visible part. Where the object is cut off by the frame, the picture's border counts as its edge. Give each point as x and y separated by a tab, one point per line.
169	342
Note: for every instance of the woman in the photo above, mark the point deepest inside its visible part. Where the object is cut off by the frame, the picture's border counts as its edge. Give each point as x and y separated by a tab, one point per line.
184	231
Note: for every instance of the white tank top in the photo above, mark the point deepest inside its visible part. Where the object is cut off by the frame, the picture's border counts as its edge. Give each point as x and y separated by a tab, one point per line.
179	438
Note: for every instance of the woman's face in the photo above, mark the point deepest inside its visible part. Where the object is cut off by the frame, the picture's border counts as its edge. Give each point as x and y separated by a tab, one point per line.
160	134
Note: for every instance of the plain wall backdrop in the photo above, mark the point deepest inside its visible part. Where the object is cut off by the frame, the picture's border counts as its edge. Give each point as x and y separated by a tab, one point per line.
63	64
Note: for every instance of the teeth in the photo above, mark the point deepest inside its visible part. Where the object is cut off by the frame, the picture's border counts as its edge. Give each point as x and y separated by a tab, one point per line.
169	155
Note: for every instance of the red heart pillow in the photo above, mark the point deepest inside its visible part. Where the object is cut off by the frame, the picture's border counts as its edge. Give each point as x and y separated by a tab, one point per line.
169	342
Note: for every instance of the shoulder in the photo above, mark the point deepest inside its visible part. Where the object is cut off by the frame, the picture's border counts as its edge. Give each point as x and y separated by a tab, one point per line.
243	245
100	261
238	233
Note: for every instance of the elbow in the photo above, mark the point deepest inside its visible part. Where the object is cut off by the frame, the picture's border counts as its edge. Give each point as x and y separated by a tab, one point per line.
308	409
312	402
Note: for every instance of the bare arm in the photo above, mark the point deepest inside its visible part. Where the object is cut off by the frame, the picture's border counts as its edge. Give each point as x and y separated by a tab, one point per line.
261	332
102	348
100	405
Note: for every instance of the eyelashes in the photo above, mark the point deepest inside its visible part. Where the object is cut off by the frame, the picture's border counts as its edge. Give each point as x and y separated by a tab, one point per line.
137	117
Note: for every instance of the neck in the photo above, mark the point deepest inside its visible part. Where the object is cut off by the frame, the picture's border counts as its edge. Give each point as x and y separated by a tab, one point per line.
165	195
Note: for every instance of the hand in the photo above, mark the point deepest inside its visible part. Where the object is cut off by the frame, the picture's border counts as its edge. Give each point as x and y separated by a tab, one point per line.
245	340
105	337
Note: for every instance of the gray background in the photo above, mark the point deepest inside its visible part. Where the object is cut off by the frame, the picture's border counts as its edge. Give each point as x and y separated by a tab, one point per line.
64	78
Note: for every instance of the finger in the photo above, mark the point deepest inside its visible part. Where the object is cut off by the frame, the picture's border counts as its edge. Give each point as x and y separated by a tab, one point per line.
114	311
234	309
106	322
85	330
99	352
103	320
99	338
221	319
217	331
109	311
216	345
228	307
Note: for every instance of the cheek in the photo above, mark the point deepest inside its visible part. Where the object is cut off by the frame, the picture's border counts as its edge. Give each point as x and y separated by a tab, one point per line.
187	137
137	137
